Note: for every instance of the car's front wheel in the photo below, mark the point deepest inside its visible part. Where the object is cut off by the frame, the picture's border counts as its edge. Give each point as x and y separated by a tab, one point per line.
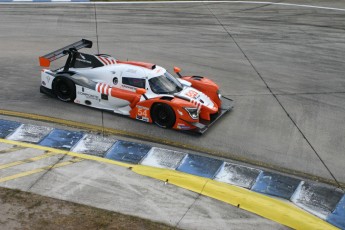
64	89
163	115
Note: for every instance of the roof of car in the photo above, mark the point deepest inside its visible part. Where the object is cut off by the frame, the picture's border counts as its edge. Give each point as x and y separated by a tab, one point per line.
139	70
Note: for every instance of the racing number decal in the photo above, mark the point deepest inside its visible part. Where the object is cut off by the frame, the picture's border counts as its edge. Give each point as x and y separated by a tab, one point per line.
192	94
142	113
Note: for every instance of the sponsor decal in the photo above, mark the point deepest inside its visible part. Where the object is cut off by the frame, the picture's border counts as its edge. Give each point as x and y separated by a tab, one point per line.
192	94
142	107
183	126
88	96
81	60
131	71
128	87
142	118
48	78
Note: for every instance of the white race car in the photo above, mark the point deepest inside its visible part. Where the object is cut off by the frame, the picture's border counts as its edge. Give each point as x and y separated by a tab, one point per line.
142	91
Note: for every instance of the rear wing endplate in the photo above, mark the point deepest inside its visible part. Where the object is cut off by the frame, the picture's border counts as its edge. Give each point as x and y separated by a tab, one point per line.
46	59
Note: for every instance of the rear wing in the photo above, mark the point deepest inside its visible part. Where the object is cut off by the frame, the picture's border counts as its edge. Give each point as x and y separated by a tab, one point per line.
46	59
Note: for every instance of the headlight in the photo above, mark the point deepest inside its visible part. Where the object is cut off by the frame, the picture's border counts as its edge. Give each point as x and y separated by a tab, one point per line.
219	95
193	112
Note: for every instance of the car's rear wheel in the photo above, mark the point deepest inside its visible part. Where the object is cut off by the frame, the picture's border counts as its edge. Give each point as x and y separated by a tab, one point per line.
163	115
64	89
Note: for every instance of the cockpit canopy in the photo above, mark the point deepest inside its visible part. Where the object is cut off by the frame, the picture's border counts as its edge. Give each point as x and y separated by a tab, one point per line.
165	84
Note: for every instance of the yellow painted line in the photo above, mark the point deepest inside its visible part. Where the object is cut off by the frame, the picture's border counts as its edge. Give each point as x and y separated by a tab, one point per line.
12	149
280	211
106	130
28	173
59	151
29	160
33	146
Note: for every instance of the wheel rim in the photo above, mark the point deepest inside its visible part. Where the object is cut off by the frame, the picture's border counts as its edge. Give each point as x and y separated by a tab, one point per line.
163	116
63	91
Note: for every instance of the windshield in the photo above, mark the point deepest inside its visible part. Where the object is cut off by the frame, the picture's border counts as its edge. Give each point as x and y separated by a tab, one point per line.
165	84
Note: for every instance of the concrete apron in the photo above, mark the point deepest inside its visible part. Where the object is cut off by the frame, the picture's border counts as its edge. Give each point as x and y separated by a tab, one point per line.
269	194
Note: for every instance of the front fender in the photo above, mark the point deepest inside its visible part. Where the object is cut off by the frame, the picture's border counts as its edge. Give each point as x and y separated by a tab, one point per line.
142	111
205	85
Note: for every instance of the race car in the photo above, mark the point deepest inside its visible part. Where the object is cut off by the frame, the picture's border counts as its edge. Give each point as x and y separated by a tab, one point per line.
142	91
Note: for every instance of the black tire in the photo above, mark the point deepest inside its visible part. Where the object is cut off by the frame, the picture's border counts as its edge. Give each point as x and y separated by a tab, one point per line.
64	89
163	115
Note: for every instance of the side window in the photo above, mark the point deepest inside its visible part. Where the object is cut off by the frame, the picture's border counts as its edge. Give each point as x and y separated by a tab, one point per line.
136	82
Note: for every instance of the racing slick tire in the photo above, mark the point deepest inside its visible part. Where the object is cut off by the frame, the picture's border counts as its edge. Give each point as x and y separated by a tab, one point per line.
163	115
64	89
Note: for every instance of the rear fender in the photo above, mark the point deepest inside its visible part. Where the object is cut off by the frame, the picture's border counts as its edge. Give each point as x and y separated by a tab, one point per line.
66	75
47	78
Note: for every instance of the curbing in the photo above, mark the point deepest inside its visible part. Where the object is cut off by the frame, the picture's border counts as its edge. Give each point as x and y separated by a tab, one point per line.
112	131
199	174
337	216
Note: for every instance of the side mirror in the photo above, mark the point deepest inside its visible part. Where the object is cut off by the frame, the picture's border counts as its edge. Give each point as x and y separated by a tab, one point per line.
140	91
177	70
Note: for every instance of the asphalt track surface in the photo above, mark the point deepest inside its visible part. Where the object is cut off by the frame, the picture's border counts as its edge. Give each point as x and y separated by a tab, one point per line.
283	65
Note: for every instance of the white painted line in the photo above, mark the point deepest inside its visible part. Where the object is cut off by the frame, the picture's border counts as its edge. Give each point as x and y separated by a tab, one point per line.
232	2
184	2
